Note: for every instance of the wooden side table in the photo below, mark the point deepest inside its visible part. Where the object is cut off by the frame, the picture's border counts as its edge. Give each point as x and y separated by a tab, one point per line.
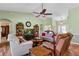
40	51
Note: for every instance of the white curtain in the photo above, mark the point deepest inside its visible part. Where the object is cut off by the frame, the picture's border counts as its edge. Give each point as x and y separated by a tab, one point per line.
62	29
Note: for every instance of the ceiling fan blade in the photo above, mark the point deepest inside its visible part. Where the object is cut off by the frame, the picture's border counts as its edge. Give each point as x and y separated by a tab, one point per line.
36	12
38	16
48	14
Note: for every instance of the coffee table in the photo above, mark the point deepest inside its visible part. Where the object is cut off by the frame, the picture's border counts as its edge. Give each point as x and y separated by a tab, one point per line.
40	51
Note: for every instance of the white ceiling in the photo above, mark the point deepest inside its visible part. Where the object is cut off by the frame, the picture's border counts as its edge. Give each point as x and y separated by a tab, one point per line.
58	9
30	7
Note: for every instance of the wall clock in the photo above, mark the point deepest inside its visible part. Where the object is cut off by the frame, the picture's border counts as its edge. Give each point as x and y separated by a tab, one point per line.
28	23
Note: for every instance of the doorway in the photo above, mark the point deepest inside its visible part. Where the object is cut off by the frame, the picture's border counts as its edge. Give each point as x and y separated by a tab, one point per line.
5	26
5	31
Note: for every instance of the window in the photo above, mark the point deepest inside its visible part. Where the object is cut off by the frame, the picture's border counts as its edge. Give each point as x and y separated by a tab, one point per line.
62	29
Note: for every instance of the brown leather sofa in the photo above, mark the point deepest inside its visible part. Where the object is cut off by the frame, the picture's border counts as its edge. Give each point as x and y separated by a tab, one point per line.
63	43
60	36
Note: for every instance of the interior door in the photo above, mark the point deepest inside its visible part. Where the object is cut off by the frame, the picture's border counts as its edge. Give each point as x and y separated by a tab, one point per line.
5	31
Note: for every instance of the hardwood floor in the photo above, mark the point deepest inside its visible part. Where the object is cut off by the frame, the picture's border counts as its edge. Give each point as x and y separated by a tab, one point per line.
73	51
3	39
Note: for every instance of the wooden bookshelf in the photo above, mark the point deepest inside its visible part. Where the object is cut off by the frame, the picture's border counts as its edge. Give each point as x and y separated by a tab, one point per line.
19	29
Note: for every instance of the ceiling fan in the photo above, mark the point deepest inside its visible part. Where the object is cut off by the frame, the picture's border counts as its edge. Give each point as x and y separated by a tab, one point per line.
43	12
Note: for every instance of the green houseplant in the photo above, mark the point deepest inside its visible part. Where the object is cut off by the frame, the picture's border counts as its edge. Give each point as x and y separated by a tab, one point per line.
28	34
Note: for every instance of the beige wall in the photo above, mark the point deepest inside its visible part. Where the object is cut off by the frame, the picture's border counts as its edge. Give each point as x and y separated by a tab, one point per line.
74	21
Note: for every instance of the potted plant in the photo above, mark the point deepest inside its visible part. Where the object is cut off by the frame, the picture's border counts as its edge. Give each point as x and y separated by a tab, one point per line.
28	34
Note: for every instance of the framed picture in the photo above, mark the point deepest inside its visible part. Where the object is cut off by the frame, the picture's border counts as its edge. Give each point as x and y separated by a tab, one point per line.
28	23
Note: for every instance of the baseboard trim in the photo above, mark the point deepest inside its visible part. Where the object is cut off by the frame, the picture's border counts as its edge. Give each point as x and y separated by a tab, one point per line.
74	43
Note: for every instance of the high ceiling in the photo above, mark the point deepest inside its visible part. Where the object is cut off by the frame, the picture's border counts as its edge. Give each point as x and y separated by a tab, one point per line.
30	7
57	9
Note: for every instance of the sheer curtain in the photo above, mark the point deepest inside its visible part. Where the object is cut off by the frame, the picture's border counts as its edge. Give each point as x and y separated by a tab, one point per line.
62	29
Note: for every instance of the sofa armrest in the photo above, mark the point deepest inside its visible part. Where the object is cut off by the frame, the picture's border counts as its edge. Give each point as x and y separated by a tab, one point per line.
27	42
48	45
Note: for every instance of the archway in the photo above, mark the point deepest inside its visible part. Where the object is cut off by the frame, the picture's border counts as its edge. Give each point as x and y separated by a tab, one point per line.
5	27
